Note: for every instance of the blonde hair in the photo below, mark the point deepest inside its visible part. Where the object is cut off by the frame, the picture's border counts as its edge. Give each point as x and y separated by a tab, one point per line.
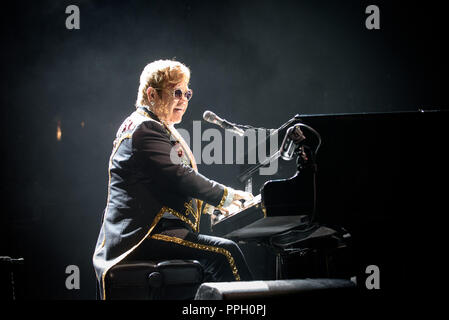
160	74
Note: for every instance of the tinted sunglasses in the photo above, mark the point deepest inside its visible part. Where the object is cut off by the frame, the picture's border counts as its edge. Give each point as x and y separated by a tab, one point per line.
178	93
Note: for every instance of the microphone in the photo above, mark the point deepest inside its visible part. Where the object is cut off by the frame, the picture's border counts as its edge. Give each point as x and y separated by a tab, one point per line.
211	117
292	140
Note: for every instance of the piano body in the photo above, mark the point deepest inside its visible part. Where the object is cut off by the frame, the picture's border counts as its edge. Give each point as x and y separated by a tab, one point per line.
377	175
281	205
282	216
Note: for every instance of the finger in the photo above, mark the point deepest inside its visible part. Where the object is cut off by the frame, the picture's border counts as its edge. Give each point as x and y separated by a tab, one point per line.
246	196
237	203
237	196
242	195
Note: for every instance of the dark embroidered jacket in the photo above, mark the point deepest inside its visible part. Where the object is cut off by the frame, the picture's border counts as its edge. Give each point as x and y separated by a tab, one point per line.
150	175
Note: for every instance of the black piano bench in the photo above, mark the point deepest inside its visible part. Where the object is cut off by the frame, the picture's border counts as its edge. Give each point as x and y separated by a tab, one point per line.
154	280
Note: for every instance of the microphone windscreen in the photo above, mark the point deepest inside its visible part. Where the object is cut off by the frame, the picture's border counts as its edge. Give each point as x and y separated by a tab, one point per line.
209	116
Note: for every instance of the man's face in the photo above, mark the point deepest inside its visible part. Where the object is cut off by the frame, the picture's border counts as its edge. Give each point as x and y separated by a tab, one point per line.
176	106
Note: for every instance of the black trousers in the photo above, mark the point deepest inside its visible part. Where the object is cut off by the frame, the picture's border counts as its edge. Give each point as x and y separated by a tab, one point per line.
222	259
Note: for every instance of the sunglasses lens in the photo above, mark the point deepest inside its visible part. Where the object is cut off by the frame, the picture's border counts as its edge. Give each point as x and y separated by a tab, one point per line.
178	94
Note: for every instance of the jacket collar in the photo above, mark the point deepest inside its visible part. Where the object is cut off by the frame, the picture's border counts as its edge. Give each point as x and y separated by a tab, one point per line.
149	113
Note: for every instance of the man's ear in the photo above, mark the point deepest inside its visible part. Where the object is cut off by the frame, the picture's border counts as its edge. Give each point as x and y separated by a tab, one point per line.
150	93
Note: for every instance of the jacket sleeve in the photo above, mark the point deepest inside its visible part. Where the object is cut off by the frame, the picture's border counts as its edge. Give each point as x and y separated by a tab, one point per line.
152	147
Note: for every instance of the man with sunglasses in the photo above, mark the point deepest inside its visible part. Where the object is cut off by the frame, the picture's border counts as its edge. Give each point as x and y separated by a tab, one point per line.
155	194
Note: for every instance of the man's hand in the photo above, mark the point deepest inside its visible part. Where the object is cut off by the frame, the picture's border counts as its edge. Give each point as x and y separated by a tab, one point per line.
238	195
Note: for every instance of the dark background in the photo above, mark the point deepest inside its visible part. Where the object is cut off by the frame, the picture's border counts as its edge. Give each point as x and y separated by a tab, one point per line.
252	62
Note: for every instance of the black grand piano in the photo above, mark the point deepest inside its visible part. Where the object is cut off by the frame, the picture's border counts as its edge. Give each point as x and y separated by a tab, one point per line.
373	188
282	215
282	204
